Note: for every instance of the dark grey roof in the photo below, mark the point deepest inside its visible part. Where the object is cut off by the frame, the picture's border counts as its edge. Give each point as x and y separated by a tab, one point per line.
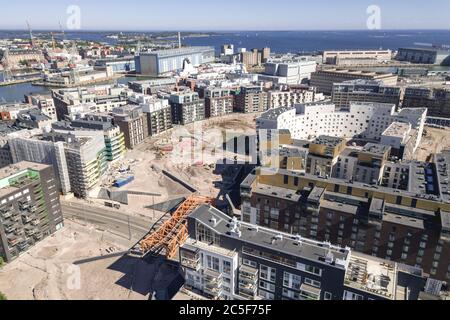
270	239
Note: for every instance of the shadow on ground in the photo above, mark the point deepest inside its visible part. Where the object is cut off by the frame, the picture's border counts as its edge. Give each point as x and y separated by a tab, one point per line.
152	277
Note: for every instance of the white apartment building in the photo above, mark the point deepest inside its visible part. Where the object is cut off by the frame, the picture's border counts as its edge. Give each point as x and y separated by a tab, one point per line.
278	99
361	120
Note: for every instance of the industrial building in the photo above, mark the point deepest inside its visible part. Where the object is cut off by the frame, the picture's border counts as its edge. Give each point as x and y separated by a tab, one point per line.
424	56
117	65
437	100
29	207
356	57
227	259
288	71
187	107
324	80
251	99
364	91
158	63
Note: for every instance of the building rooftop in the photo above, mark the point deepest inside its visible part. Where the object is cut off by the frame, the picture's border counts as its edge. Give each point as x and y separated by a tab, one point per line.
178	51
369	274
328	141
295	246
376	149
398	130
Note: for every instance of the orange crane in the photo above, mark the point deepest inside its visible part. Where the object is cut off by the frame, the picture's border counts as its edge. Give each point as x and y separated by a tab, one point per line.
173	233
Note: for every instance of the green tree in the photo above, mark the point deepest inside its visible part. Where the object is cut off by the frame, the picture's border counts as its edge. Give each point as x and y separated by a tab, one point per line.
2	296
2	262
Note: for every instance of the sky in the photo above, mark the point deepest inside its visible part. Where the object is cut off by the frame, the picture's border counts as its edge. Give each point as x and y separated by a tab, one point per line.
211	15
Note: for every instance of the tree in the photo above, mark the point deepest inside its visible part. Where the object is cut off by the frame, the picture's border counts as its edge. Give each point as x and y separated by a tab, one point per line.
2	296
2	262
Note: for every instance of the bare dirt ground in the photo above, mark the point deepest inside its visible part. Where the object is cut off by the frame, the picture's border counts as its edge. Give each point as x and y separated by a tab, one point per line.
48	271
147	161
433	142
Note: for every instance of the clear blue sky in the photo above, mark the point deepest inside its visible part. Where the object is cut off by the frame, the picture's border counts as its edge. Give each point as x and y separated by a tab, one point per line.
226	14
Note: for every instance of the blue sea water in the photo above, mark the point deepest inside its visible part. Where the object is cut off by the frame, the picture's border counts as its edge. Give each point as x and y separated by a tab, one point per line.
287	41
278	41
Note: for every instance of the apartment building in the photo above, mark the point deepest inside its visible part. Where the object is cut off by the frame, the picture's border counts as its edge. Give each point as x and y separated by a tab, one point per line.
187	107
133	123
405	218
226	259
45	103
29	207
324	80
101	99
291	95
114	137
218	102
360	120
436	100
251	99
77	157
159	115
364	91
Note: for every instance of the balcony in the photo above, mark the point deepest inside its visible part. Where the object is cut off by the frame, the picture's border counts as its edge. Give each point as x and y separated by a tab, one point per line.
190	260
248	274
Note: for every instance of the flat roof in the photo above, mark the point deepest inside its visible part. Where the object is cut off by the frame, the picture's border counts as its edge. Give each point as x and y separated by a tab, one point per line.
375	148
288	244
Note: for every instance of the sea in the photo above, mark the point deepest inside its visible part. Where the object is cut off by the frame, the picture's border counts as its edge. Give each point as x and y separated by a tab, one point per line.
278	41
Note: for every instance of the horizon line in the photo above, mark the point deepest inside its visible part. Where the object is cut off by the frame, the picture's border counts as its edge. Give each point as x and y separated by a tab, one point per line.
219	30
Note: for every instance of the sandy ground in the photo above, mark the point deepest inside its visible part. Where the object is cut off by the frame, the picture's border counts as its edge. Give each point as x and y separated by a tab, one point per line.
433	142
147	161
49	270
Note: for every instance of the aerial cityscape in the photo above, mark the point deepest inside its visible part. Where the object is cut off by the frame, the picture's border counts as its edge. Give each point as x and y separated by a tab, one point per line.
204	162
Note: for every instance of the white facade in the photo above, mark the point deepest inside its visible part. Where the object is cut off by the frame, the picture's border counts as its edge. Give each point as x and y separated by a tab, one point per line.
279	99
289	72
215	266
364	120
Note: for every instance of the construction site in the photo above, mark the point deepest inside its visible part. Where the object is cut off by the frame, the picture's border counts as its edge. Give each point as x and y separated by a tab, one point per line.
123	244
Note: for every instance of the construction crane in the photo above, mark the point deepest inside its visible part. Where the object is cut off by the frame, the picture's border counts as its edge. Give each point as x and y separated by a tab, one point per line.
173	233
7	74
31	34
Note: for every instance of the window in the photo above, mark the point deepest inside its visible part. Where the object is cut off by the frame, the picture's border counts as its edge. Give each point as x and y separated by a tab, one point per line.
313	283
267	286
286	179
227	267
213	263
352	296
266	295
292	281
268	273
328	296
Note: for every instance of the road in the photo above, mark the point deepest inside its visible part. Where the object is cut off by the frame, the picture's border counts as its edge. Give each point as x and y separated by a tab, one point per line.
118	223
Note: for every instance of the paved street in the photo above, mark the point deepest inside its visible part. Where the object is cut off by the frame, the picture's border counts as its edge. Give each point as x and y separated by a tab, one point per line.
118	223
